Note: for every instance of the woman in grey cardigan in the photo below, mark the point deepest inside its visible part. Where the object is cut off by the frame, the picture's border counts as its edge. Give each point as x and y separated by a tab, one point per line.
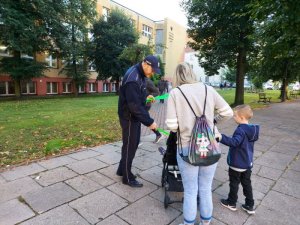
197	180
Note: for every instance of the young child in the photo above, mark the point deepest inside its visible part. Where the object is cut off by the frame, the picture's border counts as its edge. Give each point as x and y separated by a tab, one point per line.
240	158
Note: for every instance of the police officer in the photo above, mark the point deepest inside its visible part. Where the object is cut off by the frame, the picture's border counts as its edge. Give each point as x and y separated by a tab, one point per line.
132	112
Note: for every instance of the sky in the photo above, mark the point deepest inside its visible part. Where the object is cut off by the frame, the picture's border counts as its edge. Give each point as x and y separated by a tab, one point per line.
157	9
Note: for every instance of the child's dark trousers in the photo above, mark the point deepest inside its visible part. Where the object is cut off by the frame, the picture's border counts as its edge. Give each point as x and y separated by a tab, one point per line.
235	178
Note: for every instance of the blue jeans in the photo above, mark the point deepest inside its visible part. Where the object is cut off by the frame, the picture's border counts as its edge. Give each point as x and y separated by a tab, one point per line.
196	180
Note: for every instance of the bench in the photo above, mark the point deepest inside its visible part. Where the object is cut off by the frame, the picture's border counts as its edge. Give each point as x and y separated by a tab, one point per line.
263	98
294	93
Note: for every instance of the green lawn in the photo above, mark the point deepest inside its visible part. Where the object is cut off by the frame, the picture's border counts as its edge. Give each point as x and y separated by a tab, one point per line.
34	129
37	128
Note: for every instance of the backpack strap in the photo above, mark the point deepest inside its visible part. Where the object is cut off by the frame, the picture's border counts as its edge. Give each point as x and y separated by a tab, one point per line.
190	104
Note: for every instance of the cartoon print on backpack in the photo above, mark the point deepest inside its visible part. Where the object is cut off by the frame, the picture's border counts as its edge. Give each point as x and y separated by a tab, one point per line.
202	143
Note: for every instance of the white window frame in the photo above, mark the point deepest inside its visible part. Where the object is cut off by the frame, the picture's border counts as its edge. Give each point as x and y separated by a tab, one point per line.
147	31
105	87
6	89
28	88
51	60
7	53
105	13
92	87
113	87
51	88
81	89
66	87
92	67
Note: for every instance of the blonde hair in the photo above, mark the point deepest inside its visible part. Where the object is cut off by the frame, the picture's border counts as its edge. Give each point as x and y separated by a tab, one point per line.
244	110
184	74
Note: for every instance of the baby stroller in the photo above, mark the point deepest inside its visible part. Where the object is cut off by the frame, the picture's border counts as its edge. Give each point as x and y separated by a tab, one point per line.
171	177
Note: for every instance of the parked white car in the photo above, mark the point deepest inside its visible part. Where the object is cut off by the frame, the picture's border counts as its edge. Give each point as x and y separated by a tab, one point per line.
296	87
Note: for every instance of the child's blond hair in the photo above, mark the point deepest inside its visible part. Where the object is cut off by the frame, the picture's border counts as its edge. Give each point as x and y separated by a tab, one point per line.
244	110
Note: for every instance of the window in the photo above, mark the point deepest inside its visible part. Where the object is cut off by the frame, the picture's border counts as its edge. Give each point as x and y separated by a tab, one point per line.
51	60
106	87
159	41
80	89
92	67
113	87
105	13
7	88
67	87
28	87
146	31
51	87
4	51
92	87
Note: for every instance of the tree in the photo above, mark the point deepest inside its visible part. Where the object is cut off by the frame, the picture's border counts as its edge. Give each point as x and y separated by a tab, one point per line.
111	36
221	31
79	15
25	29
277	32
135	53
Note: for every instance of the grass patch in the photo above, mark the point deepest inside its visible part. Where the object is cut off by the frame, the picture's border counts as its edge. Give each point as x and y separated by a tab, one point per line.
36	128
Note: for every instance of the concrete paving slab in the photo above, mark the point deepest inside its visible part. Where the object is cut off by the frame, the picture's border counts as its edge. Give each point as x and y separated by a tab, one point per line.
106	149
148	211
110	172
83	184
14	189
292	175
112	220
132	194
63	215
159	195
287	187
261	184
295	165
100	178
111	158
152	175
56	162
22	171
13	212
84	154
54	176
282	203
2	180
274	160
267	216
269	173
86	165
144	163
227	216
98	205
50	197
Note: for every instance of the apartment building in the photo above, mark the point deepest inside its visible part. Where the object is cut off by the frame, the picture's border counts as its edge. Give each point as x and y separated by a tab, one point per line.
166	33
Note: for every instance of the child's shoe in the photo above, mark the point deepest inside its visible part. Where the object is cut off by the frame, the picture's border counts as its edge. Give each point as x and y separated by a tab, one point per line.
225	203
248	209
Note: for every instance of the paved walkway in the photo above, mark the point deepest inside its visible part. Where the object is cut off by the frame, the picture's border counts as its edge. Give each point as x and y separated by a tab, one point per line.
81	188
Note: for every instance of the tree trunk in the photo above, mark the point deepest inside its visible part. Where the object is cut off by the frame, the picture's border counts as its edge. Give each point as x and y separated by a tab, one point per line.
17	56
283	94
240	74
117	86
75	88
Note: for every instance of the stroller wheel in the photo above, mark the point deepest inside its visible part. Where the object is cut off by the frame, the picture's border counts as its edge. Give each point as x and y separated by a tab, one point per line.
166	200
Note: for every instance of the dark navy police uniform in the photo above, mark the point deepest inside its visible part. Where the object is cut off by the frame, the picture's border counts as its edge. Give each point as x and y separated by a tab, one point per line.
132	112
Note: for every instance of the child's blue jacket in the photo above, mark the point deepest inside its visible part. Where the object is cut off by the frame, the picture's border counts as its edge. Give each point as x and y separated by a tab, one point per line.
241	145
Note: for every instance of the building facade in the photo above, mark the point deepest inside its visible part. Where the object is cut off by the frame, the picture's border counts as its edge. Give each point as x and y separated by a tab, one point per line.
167	35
